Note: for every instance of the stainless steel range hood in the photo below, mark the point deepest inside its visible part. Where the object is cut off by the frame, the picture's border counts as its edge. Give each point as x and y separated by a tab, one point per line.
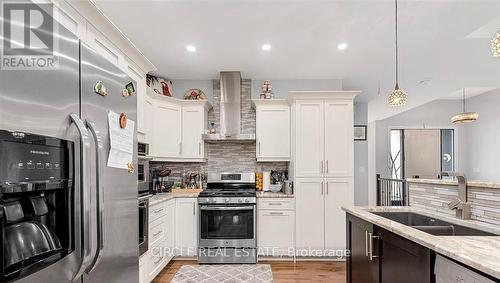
230	111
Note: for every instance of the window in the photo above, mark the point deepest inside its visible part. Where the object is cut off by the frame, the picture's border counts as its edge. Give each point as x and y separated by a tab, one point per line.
396	154
447	149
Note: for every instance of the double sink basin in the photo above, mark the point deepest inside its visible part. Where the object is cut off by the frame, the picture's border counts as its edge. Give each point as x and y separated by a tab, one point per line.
431	225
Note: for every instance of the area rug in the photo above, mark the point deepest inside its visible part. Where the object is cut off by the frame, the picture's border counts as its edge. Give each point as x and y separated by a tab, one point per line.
237	273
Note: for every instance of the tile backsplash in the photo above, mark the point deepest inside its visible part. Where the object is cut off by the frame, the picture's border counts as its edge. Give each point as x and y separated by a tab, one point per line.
485	202
224	157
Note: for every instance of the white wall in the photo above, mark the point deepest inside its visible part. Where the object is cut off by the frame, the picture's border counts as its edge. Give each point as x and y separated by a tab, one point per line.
361	158
482	138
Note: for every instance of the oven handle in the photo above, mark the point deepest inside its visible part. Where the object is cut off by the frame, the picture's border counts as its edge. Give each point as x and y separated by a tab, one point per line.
209	207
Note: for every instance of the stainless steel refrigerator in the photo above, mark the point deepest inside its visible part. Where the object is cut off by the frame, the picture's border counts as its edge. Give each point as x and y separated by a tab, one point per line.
81	216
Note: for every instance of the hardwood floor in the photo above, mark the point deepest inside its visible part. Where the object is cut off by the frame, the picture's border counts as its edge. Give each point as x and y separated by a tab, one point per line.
283	271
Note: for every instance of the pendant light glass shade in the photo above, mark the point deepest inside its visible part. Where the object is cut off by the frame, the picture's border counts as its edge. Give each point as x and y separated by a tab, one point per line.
397	97
464	117
495	45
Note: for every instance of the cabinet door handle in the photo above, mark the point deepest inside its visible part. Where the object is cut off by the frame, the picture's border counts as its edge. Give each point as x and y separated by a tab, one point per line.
275	213
199	148
259	147
321	166
327	188
321	187
366	243
370	243
156	262
157	233
194	208
326	166
275	203
158	210
180	147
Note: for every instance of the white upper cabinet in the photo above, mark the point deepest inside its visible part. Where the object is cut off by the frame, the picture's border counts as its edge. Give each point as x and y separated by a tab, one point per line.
323	137
148	116
339	145
194	122
309	138
272	130
167	119
175	128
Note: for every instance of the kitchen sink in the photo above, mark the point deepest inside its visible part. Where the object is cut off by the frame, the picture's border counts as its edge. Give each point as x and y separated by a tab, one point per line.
432	225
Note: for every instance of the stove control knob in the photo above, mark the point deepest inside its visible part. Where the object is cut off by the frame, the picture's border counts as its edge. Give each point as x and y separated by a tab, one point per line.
240	200
247	200
227	200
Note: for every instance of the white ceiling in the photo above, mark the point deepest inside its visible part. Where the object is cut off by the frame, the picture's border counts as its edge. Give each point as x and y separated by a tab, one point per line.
445	44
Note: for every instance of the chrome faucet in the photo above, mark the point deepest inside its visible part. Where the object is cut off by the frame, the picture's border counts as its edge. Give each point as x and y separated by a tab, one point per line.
462	207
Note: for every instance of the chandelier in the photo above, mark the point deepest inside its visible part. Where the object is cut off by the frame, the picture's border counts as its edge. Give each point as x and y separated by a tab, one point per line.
495	45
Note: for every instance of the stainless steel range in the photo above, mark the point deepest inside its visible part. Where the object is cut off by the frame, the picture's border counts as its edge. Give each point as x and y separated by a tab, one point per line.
227	219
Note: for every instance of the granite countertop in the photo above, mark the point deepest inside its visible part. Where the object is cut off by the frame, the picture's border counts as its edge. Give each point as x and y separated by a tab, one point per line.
451	182
261	194
479	252
168	196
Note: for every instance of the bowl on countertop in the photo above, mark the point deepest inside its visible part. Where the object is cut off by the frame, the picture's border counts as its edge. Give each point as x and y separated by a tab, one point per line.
275	187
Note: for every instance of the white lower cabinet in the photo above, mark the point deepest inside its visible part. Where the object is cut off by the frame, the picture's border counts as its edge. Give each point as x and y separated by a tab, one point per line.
338	193
170	230
172	227
144	268
186	226
275	226
310	216
320	219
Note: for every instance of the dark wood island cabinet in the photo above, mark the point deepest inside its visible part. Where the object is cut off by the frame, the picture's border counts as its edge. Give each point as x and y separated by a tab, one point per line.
378	255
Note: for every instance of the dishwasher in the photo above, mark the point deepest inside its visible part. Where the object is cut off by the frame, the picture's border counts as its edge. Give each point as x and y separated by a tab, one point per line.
448	271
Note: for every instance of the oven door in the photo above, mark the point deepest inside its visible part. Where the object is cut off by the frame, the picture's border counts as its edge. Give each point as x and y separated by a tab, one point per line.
143	225
227	226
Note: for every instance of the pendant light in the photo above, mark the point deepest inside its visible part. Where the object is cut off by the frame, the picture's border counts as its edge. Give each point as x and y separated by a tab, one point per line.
397	97
464	117
495	45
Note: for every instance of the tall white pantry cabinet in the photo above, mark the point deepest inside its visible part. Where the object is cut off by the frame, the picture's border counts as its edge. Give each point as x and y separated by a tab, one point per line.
323	167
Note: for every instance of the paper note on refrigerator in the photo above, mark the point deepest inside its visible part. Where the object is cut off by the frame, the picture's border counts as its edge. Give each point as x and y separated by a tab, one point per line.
121	141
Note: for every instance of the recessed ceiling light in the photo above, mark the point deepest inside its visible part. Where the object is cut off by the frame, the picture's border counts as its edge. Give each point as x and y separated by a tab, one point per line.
191	48
266	47
342	46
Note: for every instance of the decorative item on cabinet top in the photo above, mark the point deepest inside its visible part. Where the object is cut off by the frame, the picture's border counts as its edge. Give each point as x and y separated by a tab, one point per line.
178	101
195	94
159	85
266	91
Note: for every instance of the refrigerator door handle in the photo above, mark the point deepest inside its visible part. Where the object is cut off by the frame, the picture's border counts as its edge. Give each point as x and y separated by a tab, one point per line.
86	238
99	157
